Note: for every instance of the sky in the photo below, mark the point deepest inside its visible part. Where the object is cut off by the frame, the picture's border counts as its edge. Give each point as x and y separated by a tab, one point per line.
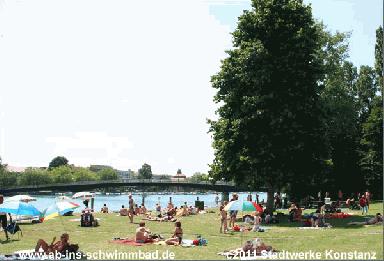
123	83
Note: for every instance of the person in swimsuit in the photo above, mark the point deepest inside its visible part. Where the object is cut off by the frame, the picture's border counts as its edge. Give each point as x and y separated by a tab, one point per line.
143	235
104	209
223	220
256	221
177	236
123	211
59	246
131	209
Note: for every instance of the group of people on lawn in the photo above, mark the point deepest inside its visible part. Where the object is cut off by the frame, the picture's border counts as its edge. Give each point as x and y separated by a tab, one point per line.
144	235
256	217
167	214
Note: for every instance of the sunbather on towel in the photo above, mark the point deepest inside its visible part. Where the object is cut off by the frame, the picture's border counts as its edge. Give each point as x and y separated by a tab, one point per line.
375	220
143	235
59	246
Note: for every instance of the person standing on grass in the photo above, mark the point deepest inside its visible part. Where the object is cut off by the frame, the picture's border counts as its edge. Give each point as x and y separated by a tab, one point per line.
223	220
3	219
233	213
367	197
131	208
363	204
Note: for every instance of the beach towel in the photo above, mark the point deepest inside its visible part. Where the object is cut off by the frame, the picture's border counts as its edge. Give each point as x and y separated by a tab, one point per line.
160	220
187	243
338	215
129	242
313	227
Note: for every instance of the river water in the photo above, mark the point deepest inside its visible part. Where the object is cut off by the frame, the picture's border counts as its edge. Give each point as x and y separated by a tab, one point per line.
114	202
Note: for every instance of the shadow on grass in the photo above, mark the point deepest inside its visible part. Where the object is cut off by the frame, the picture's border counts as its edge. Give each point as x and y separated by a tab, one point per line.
27	224
8	241
336	223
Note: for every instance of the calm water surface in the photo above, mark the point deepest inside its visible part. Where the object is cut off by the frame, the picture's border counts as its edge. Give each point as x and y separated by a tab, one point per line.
114	202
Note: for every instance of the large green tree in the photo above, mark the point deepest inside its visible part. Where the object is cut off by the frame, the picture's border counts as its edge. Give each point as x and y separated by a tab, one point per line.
35	176
372	128
62	174
269	129
107	174
7	179
145	172
339	103
57	162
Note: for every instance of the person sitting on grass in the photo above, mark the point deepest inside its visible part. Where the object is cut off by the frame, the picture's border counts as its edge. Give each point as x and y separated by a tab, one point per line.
256	221
177	236
104	209
143	235
170	206
59	246
143	209
377	219
295	212
123	211
137	210
171	211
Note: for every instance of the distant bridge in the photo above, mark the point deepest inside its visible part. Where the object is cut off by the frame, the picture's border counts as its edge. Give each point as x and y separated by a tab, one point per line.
219	186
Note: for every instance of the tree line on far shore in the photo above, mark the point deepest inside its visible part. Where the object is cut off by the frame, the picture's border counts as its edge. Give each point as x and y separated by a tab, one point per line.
59	171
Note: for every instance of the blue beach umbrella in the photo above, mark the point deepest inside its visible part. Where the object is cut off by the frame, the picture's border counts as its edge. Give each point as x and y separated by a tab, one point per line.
19	208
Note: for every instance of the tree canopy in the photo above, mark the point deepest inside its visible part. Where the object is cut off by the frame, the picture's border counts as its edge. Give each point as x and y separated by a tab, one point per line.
295	114
57	162
145	172
269	129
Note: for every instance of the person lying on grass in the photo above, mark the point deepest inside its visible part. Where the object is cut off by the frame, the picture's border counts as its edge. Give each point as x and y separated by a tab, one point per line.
143	235
373	221
59	246
177	236
160	218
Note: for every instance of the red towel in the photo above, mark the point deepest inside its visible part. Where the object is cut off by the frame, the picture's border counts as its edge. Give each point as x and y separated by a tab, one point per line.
128	242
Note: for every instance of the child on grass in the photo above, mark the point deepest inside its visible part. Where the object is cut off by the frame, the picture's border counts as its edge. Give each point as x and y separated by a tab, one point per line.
223	219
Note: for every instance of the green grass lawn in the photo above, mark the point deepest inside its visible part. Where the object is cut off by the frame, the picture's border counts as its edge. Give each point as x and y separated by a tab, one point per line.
283	236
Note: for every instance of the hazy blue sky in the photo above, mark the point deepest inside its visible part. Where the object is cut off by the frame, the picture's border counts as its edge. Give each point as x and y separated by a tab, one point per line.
126	82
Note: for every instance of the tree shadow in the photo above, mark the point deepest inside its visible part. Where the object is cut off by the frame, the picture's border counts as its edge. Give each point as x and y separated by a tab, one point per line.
337	223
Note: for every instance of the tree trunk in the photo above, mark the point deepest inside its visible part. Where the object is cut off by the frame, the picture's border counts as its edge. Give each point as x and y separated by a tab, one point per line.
270	199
